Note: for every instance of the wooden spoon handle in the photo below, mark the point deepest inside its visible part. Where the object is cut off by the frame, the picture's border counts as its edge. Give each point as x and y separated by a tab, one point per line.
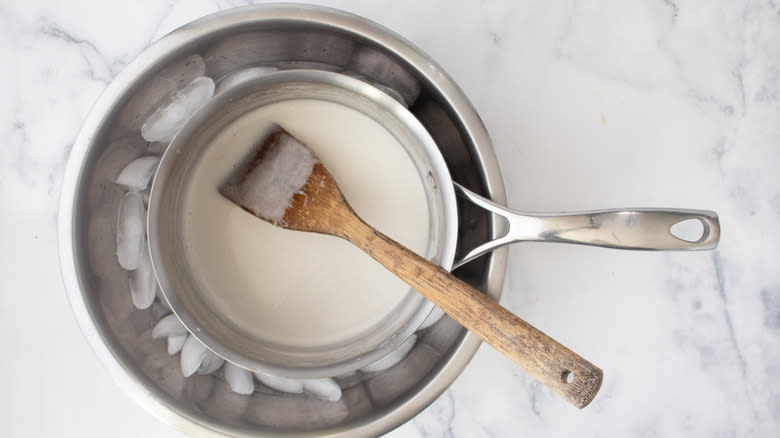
560	369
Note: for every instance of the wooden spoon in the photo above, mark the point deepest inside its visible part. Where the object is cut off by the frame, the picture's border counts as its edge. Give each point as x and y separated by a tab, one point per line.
287	185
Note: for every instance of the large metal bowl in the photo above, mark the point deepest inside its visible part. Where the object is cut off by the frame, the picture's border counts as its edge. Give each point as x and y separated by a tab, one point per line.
119	334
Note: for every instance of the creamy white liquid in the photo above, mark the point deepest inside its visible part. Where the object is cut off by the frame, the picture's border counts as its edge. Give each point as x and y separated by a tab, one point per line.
299	288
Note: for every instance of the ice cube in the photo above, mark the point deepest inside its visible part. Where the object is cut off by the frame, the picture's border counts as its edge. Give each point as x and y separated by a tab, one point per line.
323	389
240	380
130	231
110	163
168	326
283	384
192	354
241	76
211	363
176	342
159	90
136	175
143	283
392	358
166	121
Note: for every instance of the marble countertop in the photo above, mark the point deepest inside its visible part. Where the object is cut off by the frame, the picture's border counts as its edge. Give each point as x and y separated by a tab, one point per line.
589	104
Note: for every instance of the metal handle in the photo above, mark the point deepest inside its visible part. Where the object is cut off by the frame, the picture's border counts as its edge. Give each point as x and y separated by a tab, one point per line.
636	228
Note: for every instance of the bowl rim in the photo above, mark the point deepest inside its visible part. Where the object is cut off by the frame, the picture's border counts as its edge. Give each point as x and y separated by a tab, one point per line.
134	383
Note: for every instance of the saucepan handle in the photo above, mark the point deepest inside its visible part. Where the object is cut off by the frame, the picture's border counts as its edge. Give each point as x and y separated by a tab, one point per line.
634	228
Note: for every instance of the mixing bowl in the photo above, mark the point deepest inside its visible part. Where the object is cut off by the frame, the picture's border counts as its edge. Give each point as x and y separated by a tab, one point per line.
289	36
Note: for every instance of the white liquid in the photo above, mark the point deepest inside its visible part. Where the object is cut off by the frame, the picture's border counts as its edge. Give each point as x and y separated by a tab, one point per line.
293	287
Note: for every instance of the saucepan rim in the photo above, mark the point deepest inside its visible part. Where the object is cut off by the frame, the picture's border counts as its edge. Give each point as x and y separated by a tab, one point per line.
175	273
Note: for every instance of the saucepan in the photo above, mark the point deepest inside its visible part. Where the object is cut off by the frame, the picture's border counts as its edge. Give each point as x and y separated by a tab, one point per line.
188	296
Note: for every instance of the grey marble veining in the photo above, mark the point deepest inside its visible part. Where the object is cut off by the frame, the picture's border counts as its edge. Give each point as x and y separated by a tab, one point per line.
589	104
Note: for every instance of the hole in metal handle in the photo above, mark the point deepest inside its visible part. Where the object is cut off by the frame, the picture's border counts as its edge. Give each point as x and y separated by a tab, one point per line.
689	230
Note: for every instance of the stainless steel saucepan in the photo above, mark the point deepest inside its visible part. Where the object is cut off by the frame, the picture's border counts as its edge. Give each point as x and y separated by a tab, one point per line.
188	296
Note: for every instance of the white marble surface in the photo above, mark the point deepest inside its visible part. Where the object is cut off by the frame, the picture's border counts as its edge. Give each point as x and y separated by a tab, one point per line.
590	105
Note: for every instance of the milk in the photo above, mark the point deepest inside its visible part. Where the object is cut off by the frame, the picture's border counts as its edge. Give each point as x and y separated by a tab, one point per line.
292	287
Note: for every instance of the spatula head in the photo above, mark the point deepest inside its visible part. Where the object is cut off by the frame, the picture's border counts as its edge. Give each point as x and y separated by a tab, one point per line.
284	183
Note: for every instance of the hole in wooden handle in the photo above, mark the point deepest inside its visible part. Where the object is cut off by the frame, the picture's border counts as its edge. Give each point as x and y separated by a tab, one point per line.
567	376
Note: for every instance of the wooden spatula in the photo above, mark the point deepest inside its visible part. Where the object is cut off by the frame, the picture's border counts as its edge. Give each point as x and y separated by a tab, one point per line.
286	185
